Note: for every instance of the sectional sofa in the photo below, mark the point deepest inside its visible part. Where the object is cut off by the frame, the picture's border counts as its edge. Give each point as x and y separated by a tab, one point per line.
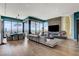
48	40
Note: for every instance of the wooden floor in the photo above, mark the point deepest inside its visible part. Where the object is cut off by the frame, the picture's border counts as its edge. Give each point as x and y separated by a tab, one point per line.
30	48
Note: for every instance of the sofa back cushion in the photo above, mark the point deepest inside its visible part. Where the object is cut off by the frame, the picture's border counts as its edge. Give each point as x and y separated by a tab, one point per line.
62	33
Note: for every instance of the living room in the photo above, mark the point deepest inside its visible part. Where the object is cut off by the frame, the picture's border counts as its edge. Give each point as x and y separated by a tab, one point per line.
33	29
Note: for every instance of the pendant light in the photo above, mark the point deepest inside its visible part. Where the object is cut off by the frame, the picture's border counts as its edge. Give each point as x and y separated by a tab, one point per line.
18	15
5	9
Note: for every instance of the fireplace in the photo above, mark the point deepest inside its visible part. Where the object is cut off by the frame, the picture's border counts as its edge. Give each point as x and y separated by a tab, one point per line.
53	28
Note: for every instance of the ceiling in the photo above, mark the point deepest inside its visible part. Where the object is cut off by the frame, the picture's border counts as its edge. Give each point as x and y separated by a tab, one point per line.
40	10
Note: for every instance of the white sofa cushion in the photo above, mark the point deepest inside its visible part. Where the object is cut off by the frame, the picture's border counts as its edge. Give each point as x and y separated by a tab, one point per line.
53	42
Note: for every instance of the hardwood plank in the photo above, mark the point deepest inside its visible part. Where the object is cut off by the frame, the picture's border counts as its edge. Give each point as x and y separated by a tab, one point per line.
30	48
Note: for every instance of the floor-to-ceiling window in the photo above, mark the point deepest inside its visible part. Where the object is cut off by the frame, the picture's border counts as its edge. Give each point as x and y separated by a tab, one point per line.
37	27
7	27
14	27
33	28
20	27
41	27
26	27
45	27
